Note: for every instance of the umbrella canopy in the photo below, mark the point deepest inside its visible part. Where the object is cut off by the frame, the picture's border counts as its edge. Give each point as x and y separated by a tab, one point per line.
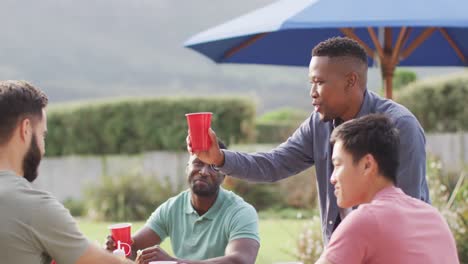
393	32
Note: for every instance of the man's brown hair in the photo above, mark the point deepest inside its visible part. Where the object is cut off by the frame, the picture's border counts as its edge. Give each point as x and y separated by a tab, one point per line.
18	100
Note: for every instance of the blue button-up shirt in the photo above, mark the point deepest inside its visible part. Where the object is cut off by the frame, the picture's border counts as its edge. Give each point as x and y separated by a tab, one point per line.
310	145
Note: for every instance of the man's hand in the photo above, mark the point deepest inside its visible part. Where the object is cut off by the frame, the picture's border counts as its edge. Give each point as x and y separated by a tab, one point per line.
110	244
213	155
154	253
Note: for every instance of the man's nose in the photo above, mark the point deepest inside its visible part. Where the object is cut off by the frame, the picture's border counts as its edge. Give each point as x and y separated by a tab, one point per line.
205	170
333	179
313	90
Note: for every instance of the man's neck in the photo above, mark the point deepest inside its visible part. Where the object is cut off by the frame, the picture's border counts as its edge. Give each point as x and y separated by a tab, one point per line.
202	204
379	184
355	105
8	162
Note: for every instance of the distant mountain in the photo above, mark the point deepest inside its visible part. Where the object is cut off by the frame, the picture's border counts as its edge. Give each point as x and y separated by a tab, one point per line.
93	49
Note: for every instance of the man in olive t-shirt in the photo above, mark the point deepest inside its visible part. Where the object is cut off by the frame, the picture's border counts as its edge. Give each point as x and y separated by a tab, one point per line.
34	227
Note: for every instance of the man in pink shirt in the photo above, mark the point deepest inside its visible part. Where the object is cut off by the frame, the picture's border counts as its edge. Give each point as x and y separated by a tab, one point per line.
389	226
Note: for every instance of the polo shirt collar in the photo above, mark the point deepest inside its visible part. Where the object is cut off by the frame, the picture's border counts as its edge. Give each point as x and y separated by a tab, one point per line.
213	211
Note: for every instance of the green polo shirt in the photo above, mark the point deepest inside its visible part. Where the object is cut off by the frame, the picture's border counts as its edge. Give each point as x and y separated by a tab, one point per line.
197	237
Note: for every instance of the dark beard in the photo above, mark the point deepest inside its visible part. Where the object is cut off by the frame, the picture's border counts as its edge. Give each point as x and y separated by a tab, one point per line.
206	192
31	161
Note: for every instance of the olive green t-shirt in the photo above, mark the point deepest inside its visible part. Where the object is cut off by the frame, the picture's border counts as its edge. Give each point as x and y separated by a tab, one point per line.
34	226
195	237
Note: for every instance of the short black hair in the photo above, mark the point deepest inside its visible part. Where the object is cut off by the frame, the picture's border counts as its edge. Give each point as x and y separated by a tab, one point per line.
340	47
373	134
18	100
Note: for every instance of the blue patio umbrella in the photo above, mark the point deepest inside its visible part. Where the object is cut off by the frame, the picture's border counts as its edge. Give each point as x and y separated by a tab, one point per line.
393	32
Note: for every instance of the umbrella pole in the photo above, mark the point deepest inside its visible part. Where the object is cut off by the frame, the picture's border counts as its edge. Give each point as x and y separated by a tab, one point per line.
388	69
388	86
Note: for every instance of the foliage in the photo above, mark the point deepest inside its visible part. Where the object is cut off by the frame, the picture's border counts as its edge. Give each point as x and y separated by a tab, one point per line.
402	78
287	213
309	243
439	104
451	204
284	114
274	132
278	125
75	206
259	195
126	198
297	192
134	125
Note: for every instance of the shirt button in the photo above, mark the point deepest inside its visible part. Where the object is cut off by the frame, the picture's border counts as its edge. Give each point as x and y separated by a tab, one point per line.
330	222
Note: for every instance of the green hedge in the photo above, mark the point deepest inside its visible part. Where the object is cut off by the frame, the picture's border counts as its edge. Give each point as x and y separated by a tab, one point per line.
274	132
439	104
133	125
276	126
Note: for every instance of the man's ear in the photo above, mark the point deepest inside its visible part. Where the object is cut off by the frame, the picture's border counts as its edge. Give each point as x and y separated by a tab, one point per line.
369	164
366	162
25	129
351	80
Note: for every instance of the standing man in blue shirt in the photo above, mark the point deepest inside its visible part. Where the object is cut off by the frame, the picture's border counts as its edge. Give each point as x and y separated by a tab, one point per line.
338	77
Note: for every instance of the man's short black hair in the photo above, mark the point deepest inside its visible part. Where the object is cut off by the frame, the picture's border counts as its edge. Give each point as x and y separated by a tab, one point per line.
340	47
372	134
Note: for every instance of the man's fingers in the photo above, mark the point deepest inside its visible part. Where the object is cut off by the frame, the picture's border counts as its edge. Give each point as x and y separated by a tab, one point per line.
189	144
149	256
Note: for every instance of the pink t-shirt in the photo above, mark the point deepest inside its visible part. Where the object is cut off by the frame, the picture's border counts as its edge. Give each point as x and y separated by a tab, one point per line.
393	228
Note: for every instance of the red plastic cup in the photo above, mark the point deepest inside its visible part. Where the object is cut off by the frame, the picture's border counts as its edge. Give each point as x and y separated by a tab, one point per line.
198	124
122	232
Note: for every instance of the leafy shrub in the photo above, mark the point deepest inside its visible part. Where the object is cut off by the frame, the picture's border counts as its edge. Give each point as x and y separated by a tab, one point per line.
278	125
439	104
76	207
135	125
451	204
259	195
297	191
284	114
309	243
126	198
402	78
274	132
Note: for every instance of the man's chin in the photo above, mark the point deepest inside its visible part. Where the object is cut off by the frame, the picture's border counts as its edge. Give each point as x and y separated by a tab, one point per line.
324	118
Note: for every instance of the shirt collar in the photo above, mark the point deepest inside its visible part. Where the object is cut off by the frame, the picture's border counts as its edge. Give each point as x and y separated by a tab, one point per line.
366	105
364	110
388	192
213	211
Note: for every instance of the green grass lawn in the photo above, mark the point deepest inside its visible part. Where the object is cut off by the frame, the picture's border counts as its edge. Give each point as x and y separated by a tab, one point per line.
278	237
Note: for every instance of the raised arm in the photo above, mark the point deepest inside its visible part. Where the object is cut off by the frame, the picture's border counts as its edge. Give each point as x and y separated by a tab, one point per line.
289	158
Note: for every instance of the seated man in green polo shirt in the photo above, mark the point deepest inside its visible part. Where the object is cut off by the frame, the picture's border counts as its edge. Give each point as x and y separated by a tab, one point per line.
206	224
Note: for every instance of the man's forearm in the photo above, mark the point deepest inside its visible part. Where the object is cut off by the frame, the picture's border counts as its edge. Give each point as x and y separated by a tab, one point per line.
232	259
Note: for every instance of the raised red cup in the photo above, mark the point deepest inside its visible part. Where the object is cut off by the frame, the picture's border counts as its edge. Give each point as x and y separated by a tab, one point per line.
199	124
